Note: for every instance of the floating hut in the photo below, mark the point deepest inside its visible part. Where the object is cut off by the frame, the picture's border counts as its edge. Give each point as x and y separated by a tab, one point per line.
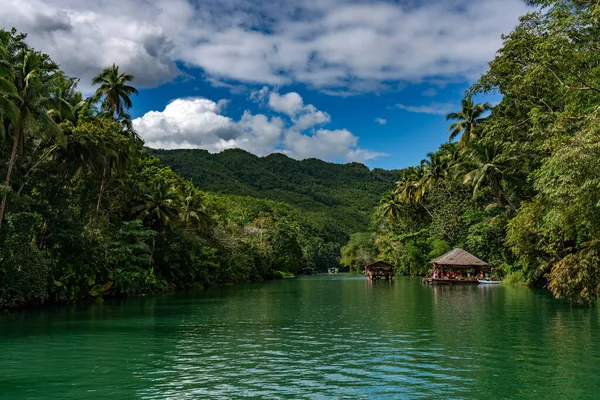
379	270
457	267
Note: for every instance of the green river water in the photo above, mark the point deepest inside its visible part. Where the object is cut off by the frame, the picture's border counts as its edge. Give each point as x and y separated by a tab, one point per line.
320	337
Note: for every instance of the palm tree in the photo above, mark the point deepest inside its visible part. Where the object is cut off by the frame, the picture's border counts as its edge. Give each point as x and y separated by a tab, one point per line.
114	91
160	206
65	100
192	212
411	189
435	169
8	91
390	205
112	159
488	165
468	121
33	79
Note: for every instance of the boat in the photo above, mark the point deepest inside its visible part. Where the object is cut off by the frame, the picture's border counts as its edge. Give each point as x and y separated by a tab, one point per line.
488	282
333	270
436	281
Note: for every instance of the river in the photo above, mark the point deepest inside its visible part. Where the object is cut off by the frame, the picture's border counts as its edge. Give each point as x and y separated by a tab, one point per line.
319	337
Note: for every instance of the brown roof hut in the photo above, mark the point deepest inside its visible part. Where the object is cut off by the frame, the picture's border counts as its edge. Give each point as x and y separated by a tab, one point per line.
379	269
456	267
458	258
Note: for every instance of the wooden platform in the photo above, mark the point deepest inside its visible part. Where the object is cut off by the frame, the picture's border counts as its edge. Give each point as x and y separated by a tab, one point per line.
432	281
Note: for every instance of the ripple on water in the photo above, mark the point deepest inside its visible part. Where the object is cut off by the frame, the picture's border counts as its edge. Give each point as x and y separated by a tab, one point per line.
331	338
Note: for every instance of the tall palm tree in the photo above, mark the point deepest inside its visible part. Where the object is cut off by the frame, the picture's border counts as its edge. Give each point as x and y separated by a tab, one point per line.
112	159
468	120
114	91
8	90
33	78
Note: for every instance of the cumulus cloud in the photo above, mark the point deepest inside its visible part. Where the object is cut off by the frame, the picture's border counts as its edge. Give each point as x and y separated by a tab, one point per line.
189	122
433	108
327	145
291	104
200	123
381	121
337	46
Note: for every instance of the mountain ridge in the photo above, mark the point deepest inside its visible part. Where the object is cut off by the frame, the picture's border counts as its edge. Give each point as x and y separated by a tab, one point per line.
348	191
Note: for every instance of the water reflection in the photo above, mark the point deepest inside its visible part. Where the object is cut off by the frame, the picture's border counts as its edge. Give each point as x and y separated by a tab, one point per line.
315	337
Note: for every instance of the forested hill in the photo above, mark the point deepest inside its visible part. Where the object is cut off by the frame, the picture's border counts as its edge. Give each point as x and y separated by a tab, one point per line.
346	192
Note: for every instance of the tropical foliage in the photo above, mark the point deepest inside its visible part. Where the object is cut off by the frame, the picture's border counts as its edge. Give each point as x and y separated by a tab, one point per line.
521	188
88	213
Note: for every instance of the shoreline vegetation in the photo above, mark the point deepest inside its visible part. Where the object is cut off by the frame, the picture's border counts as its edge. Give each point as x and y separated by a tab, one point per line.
521	187
87	212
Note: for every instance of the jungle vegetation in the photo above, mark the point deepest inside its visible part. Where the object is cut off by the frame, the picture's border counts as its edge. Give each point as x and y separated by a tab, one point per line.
521	187
87	212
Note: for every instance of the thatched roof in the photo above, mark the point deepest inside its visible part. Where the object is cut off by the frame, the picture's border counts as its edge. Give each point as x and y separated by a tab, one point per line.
380	265
459	258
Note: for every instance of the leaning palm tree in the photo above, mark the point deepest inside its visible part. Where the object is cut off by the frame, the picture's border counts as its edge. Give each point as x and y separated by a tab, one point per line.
65	100
114	91
467	122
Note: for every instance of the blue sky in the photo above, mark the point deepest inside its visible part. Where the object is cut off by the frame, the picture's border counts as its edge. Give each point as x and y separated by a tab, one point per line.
340	80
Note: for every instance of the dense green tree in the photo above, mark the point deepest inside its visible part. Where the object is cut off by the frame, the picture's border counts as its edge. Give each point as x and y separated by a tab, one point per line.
33	76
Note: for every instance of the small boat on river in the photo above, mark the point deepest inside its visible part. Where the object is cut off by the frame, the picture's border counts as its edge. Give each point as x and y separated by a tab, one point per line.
333	270
488	282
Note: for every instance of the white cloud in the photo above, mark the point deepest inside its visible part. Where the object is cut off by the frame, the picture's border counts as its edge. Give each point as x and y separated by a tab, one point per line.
327	145
290	103
433	108
381	121
309	117
190	122
337	46
199	123
431	92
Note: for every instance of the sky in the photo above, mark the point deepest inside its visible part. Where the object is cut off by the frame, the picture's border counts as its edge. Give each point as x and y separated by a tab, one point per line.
339	80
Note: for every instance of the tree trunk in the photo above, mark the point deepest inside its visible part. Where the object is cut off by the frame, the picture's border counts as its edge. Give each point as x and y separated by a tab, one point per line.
37	164
11	163
425	208
102	184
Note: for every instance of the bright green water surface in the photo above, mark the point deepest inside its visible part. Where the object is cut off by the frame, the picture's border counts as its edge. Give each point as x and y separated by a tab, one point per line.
321	337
